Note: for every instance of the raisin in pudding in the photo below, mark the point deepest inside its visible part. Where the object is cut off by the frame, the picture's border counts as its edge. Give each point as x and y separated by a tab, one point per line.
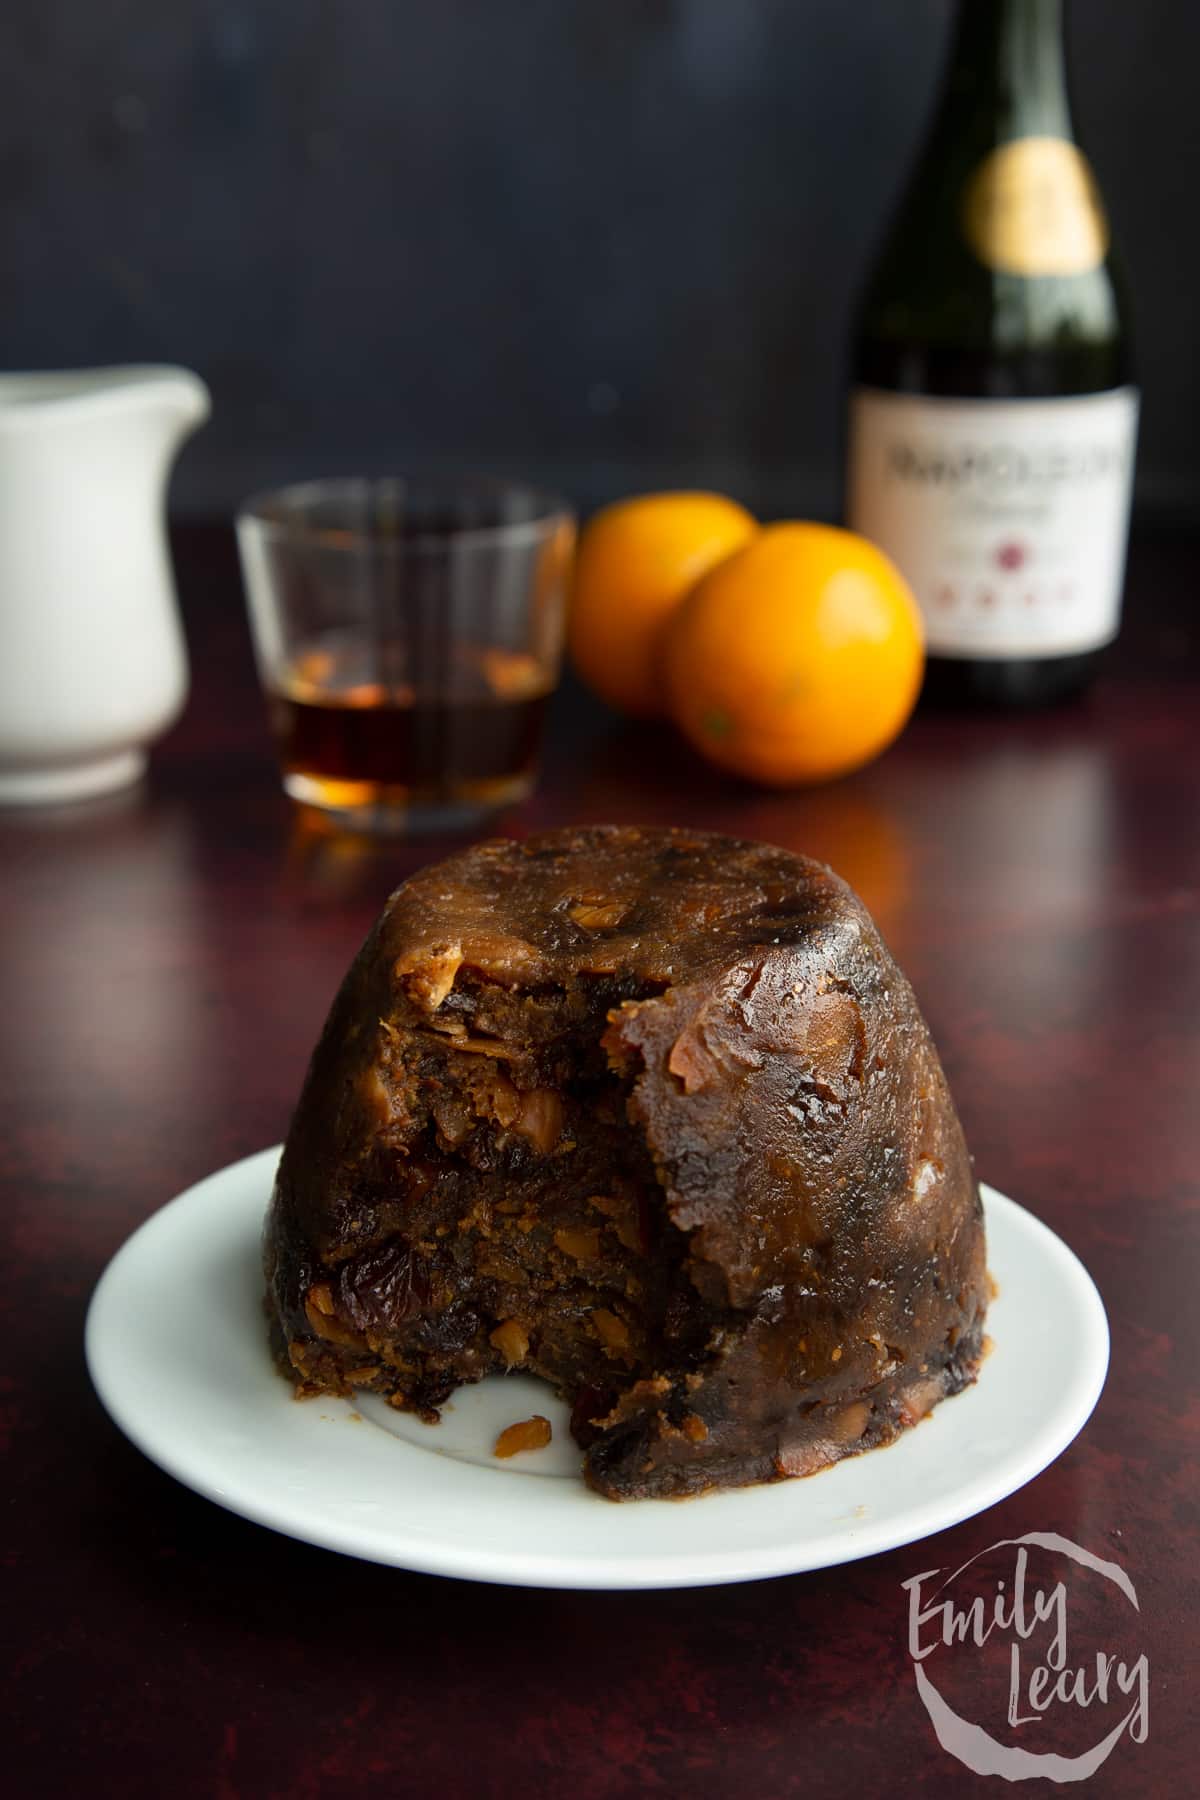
652	1115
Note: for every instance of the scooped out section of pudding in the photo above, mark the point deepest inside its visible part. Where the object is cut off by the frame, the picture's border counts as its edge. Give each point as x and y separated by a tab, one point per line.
649	1114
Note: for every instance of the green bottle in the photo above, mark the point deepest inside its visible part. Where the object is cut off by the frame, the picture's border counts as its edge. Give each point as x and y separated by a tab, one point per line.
993	416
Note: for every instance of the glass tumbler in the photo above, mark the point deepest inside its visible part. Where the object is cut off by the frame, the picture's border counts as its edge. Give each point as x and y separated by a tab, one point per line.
408	632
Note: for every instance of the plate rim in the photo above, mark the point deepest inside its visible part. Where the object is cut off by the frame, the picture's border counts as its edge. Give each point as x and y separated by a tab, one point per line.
633	1569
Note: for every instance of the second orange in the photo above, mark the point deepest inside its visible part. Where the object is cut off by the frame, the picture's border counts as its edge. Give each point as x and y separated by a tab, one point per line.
636	561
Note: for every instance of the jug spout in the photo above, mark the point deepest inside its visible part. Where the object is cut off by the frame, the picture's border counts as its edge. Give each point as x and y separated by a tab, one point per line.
180	397
172	402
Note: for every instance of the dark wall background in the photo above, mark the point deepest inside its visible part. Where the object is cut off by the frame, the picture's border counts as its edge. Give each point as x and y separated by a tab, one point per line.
609	243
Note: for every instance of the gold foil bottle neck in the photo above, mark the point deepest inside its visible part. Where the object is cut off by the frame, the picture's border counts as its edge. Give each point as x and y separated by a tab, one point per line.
1032	208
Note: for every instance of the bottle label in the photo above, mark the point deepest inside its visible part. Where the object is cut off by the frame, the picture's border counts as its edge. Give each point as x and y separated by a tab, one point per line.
1008	518
1032	208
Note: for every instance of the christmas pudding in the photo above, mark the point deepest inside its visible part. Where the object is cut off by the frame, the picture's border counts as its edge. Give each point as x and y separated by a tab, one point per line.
653	1115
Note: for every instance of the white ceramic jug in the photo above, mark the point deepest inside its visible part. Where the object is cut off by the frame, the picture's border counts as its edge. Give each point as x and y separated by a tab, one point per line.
92	657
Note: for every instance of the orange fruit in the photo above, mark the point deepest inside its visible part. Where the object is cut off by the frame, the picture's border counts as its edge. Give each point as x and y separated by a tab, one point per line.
797	659
636	561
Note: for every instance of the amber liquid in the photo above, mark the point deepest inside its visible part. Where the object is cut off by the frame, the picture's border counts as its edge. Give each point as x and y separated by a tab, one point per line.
387	748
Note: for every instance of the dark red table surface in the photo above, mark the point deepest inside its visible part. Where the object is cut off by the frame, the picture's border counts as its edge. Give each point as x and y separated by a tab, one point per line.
167	961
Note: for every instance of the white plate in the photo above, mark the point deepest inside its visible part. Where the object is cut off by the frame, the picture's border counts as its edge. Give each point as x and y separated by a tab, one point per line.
177	1348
